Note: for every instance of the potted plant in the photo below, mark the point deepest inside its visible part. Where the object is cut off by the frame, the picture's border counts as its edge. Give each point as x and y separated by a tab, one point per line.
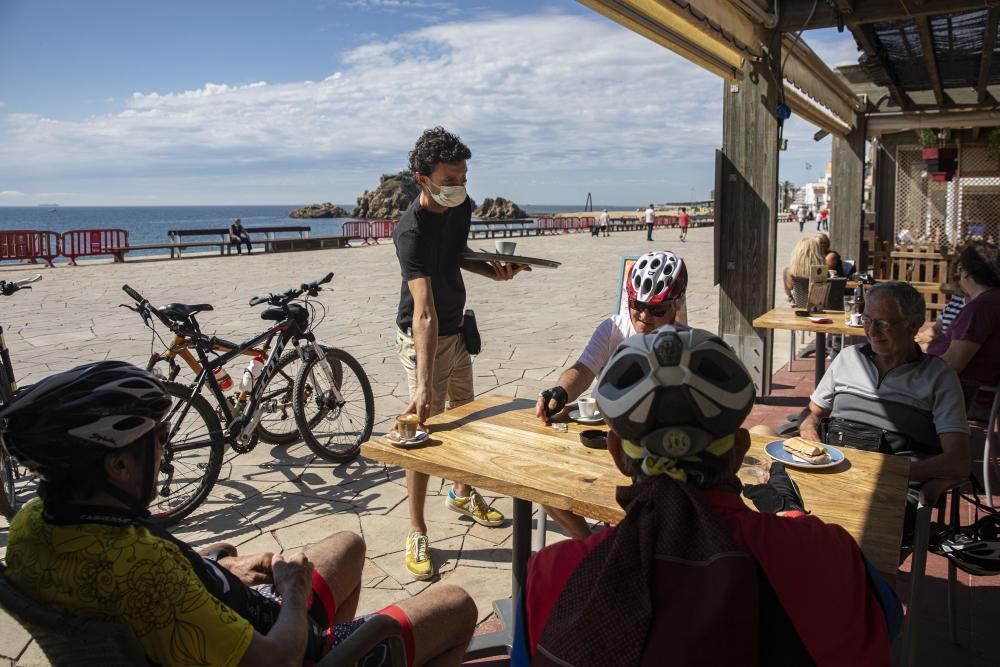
940	160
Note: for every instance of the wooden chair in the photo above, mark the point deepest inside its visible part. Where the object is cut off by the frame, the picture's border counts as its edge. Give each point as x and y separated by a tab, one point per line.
71	640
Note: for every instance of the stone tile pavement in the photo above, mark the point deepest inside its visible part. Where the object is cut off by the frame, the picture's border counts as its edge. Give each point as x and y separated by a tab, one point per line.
282	498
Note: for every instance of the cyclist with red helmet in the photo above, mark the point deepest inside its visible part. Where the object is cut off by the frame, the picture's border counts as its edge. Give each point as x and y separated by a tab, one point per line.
656	286
692	575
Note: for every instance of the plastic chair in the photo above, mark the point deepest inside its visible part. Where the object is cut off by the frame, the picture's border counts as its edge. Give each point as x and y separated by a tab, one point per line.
71	640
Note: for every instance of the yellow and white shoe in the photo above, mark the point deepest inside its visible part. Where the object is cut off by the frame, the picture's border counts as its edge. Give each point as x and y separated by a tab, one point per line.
475	507
418	560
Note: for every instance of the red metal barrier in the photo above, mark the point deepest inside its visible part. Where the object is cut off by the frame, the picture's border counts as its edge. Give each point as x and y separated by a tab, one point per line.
383	229
90	242
29	245
357	229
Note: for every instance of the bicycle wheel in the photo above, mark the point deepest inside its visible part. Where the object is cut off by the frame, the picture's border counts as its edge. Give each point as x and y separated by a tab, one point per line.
277	422
8	491
191	459
333	429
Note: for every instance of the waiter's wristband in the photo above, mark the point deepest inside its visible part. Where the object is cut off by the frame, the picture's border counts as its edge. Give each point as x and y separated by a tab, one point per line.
557	394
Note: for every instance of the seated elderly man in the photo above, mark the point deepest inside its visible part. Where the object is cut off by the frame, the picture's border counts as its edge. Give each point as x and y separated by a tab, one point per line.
887	395
656	284
95	436
692	575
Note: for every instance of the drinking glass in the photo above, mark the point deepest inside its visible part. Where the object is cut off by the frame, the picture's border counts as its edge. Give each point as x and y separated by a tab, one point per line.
752	471
849	302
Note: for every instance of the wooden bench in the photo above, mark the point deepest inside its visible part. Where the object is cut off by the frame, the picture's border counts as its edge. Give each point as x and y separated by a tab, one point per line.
225	247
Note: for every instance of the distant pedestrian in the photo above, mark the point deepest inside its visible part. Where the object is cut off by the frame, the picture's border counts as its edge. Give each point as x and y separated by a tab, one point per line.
239	235
683	221
602	223
650	212
824	220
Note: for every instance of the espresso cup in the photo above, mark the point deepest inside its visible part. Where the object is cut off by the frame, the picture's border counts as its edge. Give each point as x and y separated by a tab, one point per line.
587	406
406	426
505	247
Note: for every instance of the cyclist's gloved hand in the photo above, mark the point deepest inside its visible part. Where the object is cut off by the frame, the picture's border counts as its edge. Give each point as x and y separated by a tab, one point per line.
780	494
557	394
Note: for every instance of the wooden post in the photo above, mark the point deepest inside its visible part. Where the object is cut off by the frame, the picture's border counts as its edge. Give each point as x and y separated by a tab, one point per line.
746	193
885	185
847	192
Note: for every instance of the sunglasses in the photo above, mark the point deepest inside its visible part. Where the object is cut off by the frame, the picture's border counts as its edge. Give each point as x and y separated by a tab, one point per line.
656	310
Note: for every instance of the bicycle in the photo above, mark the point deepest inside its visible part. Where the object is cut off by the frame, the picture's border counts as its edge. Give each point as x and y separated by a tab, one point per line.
322	392
276	427
10	472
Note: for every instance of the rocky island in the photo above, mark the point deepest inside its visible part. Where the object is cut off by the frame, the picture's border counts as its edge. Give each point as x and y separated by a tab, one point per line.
324	210
499	209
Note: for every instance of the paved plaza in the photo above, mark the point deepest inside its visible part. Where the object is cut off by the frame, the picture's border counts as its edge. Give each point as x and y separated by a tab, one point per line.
282	499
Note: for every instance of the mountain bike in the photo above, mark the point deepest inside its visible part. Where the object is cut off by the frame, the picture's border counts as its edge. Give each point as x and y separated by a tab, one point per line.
332	400
10	472
277	426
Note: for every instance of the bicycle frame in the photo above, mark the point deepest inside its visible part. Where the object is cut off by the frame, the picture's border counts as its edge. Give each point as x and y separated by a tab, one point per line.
8	385
180	346
288	330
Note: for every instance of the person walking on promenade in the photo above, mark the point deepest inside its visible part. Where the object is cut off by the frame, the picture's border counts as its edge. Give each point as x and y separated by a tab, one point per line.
430	238
683	221
602	222
239	235
650	212
823	221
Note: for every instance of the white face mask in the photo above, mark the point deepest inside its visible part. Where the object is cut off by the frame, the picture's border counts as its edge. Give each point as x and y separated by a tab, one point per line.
448	196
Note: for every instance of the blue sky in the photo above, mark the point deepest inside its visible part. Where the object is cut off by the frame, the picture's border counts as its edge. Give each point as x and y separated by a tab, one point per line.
121	102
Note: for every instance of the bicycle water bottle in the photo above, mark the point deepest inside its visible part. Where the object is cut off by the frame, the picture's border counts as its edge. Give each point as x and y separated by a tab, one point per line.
251	373
223	378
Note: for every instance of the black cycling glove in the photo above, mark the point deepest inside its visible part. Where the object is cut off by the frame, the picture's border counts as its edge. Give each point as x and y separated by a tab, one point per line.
557	394
780	494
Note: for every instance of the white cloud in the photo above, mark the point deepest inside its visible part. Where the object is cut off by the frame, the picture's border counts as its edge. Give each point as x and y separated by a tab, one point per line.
11	195
551	106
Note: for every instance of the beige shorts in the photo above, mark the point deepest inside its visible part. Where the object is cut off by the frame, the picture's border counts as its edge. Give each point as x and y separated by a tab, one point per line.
452	381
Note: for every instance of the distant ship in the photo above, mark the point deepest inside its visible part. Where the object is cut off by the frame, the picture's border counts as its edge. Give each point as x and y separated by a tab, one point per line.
52	207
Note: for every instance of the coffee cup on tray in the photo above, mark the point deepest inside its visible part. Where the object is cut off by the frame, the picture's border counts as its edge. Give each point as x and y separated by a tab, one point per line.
505	247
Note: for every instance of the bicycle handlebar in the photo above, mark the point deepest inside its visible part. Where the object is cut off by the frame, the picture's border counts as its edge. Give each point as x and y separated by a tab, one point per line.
132	293
8	288
282	299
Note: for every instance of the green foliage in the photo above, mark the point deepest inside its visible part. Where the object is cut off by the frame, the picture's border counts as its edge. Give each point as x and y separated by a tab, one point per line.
928	138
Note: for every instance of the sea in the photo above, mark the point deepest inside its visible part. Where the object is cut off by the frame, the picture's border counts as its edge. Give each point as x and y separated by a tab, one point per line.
150	224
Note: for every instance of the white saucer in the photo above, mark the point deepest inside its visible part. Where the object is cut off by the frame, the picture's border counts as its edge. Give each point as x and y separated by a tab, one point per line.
575	416
394	440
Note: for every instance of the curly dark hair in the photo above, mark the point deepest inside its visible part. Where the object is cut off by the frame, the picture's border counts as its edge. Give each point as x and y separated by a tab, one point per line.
434	146
981	260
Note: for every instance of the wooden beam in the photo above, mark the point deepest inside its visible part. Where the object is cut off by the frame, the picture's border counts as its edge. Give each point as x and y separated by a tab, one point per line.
986	62
846	7
930	58
731	20
795	12
868	41
674	32
809	112
847	191
881	123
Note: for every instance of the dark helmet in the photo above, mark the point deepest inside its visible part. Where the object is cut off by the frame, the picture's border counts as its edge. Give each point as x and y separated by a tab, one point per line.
674	391
81	413
976	548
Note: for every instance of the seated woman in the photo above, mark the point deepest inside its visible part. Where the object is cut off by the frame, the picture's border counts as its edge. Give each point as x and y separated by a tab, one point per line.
971	344
805	254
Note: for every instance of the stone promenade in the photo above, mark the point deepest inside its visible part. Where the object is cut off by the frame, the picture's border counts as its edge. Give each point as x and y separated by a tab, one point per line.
282	499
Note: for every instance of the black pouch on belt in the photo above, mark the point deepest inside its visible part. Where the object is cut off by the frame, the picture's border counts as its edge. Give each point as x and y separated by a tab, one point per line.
470	332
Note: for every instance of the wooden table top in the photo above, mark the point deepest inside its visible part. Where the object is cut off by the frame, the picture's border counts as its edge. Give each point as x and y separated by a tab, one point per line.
784	317
498	444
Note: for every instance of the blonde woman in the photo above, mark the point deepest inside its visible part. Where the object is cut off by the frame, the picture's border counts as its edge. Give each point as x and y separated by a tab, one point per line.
807	252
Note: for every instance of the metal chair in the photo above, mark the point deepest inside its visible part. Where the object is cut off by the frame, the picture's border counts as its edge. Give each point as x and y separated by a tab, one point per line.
992	441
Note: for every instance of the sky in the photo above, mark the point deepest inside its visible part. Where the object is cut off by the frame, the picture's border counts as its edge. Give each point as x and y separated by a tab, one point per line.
119	102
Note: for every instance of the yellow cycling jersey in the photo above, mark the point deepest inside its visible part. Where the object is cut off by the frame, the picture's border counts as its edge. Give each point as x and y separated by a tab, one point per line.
127	575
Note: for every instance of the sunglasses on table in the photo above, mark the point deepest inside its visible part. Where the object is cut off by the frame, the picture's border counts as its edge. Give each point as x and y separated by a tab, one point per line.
656	310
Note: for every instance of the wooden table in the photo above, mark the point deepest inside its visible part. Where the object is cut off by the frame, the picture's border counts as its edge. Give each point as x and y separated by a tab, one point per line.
784	317
498	444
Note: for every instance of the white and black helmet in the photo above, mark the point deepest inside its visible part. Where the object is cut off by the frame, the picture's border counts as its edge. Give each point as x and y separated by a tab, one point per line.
84	411
656	277
674	391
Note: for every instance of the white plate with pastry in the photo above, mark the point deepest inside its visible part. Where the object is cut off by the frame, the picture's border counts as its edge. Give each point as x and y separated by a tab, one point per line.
803	453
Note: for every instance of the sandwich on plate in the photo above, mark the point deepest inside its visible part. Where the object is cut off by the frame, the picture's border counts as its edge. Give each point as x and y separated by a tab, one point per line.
807	450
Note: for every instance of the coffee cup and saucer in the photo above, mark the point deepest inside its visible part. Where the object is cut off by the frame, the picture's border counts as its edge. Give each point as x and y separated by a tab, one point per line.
586	411
406	432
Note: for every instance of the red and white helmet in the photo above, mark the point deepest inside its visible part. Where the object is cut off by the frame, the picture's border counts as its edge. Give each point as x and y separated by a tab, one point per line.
657	276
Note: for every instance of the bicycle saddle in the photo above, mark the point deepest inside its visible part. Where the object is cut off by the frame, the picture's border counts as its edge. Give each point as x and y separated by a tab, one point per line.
182	311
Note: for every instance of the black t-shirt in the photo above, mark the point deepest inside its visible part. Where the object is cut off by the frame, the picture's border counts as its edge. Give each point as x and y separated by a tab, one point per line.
431	244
